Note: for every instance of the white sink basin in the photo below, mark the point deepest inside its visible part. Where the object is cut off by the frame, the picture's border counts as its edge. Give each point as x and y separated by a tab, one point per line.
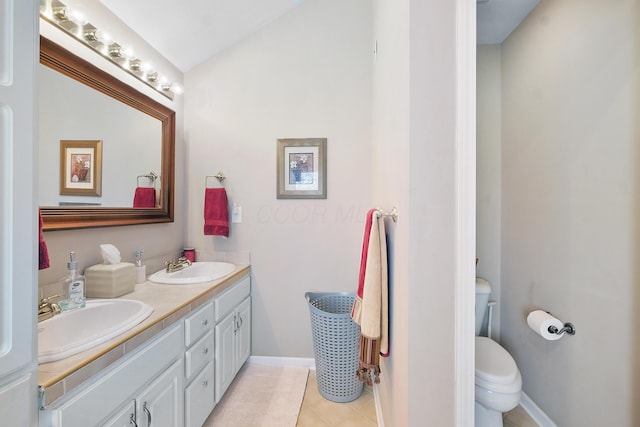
197	272
78	330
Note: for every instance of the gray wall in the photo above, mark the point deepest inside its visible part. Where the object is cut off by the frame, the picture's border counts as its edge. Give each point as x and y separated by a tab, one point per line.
391	142
307	74
488	172
570	206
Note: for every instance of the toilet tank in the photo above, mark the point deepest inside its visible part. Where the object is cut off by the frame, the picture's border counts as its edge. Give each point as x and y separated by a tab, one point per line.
483	290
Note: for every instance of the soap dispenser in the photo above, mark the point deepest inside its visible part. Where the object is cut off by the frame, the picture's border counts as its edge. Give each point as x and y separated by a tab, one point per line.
141	270
74	286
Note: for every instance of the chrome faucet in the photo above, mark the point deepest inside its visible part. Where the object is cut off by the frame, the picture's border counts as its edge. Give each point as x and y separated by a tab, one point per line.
181	263
48	309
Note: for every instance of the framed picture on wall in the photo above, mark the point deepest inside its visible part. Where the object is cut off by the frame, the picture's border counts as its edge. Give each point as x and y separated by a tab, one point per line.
302	168
81	168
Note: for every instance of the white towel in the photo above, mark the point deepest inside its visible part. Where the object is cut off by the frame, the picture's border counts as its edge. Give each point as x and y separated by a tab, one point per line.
370	308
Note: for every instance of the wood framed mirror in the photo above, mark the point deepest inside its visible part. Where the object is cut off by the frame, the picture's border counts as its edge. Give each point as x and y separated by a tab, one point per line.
87	215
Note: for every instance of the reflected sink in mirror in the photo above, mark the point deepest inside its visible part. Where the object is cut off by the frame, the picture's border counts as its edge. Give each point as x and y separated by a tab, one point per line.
197	272
78	330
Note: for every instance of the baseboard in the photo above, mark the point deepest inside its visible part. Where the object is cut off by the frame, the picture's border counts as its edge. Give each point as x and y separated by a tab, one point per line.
283	361
376	400
534	411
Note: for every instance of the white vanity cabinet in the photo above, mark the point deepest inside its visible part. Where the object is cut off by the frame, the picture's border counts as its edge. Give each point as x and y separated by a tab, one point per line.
232	334
175	379
158	405
149	382
125	417
199	398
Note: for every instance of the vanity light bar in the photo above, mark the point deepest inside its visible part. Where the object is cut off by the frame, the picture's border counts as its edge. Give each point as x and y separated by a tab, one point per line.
58	14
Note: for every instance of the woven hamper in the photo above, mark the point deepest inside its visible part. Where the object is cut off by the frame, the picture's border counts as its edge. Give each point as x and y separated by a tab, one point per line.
335	344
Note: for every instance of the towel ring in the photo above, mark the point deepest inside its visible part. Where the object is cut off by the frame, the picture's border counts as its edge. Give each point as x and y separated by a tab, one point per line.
219	176
151	176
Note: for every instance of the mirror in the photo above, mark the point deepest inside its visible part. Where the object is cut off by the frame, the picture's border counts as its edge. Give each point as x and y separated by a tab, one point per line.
130	109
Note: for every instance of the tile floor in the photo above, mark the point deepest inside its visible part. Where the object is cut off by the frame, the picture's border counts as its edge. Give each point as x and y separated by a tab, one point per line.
316	411
518	417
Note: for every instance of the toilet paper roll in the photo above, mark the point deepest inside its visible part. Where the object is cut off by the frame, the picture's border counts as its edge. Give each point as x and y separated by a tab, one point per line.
540	321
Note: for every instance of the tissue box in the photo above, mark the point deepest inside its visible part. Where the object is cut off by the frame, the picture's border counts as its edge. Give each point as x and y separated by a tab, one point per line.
110	280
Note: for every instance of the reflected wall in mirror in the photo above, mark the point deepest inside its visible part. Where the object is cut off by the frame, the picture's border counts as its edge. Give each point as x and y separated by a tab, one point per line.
80	101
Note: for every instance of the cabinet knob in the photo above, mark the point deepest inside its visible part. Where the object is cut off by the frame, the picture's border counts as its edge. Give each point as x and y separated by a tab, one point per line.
206	350
205	322
205	383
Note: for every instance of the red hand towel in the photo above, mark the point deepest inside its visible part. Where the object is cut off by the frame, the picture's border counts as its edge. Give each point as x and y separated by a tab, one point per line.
43	253
216	212
145	197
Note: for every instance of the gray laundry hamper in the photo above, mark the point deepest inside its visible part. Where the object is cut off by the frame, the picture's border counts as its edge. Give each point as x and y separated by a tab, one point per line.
335	344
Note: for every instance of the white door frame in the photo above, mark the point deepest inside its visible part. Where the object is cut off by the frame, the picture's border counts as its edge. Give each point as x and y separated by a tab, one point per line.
466	210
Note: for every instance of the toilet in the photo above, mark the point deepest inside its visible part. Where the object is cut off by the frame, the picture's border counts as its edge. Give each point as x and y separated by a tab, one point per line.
498	380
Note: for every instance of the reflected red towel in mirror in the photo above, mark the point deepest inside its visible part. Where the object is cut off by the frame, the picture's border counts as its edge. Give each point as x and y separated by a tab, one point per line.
216	212
145	197
43	252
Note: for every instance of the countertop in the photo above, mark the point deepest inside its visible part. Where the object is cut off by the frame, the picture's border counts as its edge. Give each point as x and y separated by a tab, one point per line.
170	303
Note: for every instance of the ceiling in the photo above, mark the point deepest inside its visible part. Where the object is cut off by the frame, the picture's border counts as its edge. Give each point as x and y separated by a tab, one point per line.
187	32
496	19
190	31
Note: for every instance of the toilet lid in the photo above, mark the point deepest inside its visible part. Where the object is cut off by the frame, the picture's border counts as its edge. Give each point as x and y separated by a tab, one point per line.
493	363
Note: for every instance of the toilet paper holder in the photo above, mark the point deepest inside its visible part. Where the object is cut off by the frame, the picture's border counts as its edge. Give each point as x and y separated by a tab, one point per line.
568	328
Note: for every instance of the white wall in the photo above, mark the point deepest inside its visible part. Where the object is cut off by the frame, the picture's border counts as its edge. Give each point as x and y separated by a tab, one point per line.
415	143
489	201
571	203
391	148
308	74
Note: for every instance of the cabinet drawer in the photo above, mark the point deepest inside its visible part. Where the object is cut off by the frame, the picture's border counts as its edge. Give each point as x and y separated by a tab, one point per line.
232	297
198	324
198	398
199	354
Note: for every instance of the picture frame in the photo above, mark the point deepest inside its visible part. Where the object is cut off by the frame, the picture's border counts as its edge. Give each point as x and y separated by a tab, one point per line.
81	167
302	168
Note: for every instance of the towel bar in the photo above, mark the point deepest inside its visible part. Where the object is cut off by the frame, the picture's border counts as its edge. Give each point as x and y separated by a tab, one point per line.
393	214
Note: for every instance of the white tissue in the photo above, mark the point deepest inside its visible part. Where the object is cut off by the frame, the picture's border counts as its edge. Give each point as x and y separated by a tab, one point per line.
110	254
540	321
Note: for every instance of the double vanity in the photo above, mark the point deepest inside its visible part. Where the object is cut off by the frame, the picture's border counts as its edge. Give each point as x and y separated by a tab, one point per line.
170	369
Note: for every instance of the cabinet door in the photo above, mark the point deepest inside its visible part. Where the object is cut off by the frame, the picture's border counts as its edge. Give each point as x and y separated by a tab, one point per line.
161	404
125	417
243	334
225	354
199	398
18	212
15	409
